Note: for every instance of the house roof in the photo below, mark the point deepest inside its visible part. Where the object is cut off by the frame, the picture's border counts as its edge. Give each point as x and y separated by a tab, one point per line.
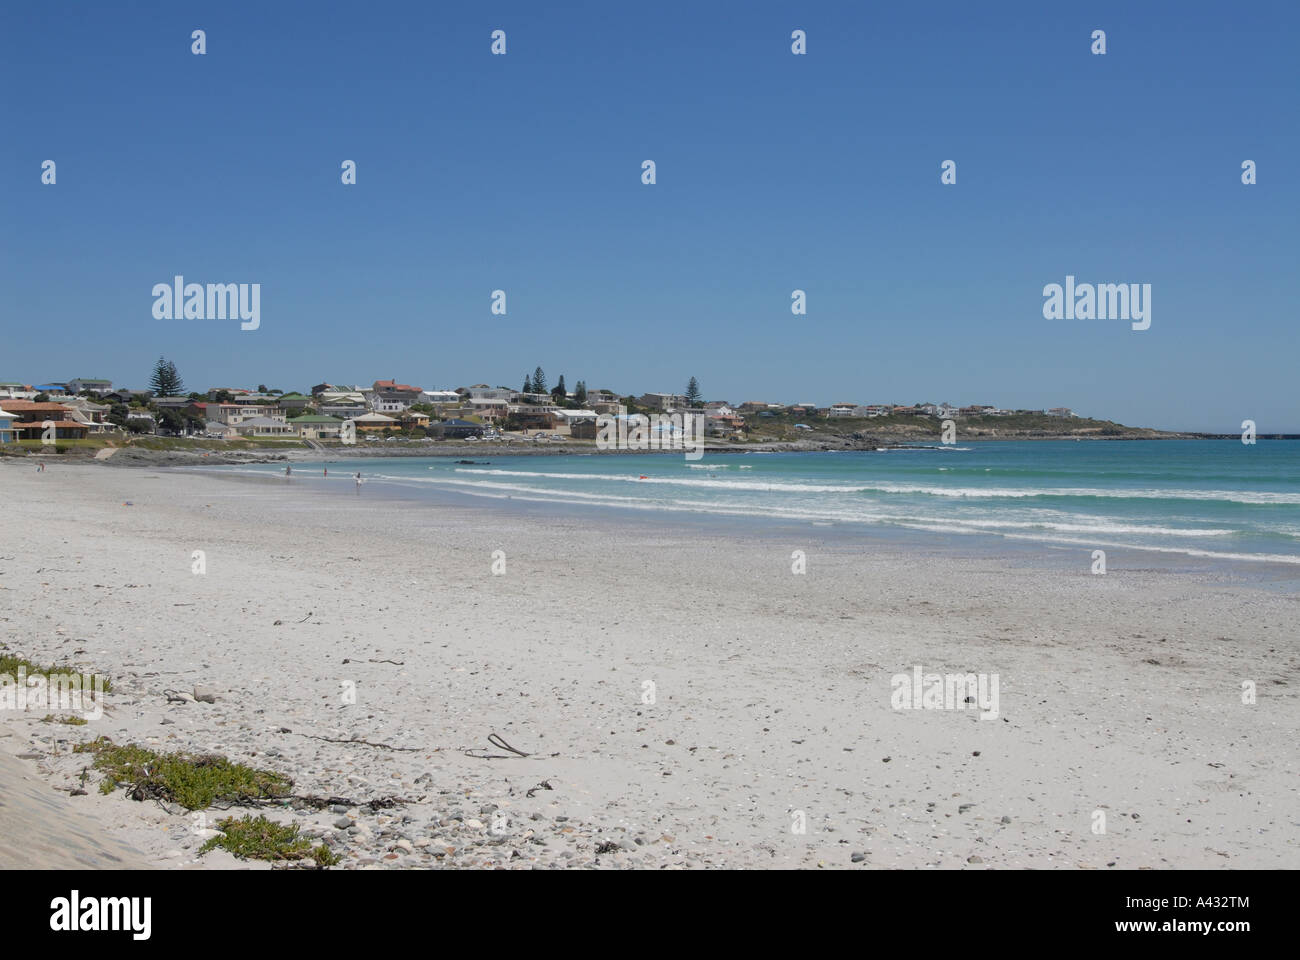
31	406
373	418
391	385
41	424
315	418
260	422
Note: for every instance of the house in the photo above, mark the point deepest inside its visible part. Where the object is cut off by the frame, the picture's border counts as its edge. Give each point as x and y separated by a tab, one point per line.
237	413
7	432
455	428
374	421
413	418
1060	412
172	403
666	402
294	403
93	415
440	396
89	385
489	408
721	425
263	427
388	396
145	421
316	427
14	390
125	395
566	420
63	430
223	431
31	420
531	416
53	389
343	404
842	408
481	391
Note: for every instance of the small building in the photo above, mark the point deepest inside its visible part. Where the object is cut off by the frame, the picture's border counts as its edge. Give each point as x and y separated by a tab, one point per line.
89	385
294	403
63	429
14	390
7	432
567	420
455	429
666	402
489	408
412	419
263	427
317	427
374	421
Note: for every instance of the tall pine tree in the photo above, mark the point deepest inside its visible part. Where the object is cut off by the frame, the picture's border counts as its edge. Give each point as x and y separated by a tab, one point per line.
166	381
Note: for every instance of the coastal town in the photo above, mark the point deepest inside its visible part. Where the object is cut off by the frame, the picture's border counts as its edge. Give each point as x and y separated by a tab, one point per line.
335	412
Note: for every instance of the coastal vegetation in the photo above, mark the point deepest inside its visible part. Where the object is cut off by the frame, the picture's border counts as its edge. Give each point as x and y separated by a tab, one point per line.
257	838
195	781
10	665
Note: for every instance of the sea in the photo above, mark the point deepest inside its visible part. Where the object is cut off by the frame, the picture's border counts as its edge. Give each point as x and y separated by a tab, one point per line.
1221	501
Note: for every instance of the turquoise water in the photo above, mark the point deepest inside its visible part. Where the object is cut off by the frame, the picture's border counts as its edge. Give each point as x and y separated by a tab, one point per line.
1218	499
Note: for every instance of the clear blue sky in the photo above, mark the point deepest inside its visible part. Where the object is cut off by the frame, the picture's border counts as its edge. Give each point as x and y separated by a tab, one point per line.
775	172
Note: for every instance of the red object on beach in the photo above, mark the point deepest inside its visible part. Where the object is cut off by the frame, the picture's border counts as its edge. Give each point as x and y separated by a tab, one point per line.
644	477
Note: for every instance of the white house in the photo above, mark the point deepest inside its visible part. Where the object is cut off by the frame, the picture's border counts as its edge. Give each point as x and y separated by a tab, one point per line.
89	385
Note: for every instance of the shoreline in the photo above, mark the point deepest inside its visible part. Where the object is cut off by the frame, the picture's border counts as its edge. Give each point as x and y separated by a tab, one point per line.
132	455
1119	694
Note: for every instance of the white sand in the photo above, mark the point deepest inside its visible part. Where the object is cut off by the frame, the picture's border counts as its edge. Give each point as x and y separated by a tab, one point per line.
1119	693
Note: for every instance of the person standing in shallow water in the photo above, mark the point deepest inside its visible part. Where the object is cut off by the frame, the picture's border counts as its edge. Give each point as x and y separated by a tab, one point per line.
287	470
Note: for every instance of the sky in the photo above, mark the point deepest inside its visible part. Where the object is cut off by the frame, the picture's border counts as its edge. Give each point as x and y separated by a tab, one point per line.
774	172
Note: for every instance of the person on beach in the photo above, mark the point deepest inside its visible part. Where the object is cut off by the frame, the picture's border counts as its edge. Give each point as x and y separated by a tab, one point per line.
287	470
327	471
358	481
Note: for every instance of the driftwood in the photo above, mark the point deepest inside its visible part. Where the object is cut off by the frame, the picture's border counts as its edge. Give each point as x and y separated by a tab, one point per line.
495	739
368	743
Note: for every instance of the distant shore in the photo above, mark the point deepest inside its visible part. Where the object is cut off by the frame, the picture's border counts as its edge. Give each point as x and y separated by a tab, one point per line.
197	453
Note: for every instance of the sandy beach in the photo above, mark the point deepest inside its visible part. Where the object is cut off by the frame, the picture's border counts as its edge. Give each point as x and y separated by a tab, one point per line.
684	699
